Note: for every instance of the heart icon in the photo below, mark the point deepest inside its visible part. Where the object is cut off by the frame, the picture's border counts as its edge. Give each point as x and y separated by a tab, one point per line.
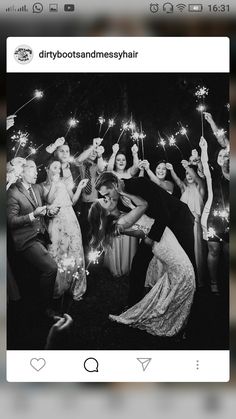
37	363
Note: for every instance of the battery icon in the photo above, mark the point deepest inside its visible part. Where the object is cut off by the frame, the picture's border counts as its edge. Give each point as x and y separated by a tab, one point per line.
195	7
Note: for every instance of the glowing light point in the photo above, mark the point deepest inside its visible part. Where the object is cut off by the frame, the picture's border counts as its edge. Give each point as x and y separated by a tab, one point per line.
172	140
201	108
73	122
111	123
38	94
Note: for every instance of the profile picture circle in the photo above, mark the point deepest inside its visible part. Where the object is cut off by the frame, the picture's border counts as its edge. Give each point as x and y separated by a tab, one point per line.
23	54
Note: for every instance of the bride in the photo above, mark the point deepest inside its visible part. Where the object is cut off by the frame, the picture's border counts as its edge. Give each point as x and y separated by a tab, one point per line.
165	309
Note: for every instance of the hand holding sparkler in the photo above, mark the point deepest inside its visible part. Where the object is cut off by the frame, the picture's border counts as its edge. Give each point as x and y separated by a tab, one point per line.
100	150
10	121
169	166
97	142
194	158
115	148
203	144
134	149
146	165
59	142
185	164
208	117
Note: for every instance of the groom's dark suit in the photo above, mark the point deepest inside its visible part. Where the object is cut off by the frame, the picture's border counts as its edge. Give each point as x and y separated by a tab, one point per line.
30	236
167	212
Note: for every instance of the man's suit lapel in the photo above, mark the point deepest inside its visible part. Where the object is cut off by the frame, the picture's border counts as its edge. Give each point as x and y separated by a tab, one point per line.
37	194
26	194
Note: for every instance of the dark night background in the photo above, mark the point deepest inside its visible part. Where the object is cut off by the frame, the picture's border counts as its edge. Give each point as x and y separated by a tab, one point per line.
159	101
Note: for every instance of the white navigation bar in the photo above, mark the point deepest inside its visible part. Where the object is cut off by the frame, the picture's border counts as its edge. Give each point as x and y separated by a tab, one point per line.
118	366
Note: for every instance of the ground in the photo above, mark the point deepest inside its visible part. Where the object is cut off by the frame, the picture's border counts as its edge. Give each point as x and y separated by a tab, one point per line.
207	327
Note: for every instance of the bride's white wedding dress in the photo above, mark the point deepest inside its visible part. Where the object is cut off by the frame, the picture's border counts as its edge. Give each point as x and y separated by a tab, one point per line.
165	309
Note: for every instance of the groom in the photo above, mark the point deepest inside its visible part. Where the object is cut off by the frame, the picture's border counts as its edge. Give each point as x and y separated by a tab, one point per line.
166	210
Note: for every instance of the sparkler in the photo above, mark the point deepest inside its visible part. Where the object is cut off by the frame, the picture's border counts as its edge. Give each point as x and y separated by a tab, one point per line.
141	137
172	143
125	127
201	108
163	143
183	131
33	150
111	123
38	94
223	214
132	126
93	257
211	233
201	92
21	138
72	123
101	121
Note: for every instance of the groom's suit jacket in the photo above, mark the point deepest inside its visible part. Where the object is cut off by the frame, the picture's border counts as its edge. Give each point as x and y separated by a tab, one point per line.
163	207
19	206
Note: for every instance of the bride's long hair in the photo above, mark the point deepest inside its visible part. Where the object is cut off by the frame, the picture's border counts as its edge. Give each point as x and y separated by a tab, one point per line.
103	226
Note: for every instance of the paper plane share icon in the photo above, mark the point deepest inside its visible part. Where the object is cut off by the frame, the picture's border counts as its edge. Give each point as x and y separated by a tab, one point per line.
144	362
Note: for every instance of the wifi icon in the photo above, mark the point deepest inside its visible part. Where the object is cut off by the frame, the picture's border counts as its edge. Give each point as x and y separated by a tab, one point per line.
181	7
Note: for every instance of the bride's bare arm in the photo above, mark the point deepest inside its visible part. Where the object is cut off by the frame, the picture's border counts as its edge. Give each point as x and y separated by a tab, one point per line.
139	234
128	220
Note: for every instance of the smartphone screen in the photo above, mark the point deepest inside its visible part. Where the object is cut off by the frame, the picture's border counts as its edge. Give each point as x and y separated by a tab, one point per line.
117	177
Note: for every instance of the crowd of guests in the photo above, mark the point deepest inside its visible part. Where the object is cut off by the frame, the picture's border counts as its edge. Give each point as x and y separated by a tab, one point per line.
54	224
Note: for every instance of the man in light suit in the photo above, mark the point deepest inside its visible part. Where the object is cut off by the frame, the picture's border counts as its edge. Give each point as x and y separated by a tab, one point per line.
25	216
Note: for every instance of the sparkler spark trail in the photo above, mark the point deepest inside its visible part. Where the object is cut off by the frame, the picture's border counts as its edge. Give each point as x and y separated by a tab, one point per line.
111	123
183	131
201	108
201	92
93	257
135	136
21	138
125	127
211	233
101	121
33	150
72	123
38	94
162	143
172	143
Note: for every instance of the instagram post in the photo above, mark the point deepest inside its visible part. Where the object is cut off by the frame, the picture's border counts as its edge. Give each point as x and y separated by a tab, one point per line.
118	209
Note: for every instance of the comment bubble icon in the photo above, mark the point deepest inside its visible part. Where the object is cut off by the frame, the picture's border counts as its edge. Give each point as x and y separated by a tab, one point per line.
91	365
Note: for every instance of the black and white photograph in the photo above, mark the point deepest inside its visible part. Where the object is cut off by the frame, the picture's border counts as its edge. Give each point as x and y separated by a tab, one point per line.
118	211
